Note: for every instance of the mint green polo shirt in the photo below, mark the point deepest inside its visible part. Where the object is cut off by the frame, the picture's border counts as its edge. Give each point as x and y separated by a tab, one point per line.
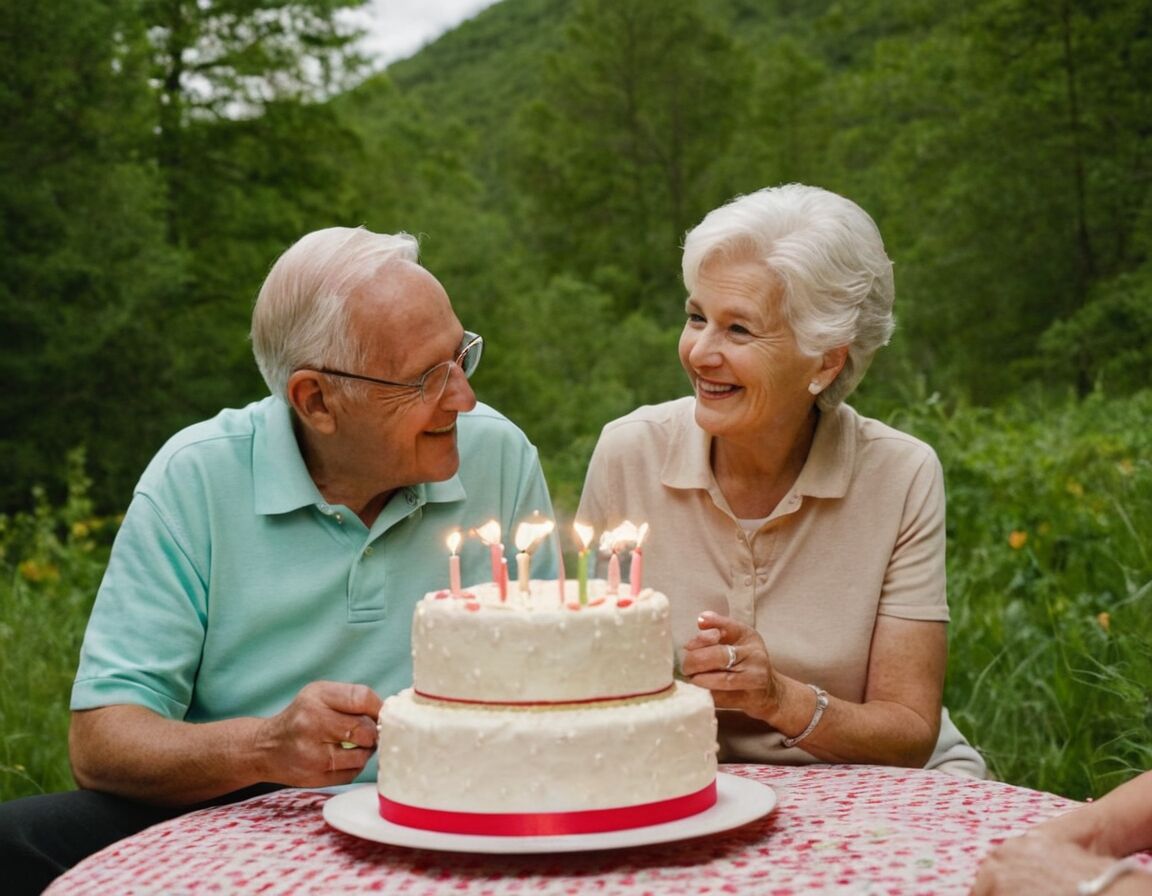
232	583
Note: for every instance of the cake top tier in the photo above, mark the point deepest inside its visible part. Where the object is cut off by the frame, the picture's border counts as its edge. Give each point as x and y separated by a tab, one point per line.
539	648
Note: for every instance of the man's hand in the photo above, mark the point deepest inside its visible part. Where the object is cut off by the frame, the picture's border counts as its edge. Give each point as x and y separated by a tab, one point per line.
323	737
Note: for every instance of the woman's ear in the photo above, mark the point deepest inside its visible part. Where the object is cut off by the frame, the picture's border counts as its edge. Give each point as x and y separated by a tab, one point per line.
833	363
306	396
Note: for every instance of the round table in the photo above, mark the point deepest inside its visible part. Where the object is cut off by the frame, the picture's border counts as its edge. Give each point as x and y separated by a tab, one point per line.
835	829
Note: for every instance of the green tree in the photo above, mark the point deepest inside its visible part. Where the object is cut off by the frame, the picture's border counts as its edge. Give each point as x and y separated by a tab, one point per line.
85	263
619	149
1007	156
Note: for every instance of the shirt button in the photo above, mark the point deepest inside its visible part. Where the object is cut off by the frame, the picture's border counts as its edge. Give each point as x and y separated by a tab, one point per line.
340	518
747	580
368	551
410	498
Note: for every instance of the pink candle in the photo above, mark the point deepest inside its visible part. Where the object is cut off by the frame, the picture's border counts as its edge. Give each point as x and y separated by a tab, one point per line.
489	533
497	553
503	578
638	559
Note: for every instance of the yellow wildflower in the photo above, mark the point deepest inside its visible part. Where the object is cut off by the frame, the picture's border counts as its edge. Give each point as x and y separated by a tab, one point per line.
1105	620
34	571
1074	488
1017	539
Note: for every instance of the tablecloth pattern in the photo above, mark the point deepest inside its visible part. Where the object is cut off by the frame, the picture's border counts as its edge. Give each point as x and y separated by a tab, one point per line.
837	829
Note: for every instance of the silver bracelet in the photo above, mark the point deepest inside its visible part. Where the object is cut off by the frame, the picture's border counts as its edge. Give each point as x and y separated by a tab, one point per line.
821	705
1106	878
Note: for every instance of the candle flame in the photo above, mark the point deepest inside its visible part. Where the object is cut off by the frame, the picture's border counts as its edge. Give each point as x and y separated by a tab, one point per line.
453	541
489	533
641	533
584	533
625	534
529	535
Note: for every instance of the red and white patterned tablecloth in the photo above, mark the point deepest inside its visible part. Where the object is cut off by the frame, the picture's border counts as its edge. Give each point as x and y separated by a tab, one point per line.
836	829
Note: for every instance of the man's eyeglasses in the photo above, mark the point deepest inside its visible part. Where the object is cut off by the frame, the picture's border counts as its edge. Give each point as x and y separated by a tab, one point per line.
435	380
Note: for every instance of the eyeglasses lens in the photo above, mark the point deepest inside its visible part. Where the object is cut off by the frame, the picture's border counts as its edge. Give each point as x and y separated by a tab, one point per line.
435	381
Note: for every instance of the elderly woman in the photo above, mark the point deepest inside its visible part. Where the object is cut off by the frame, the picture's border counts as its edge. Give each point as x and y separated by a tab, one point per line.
800	544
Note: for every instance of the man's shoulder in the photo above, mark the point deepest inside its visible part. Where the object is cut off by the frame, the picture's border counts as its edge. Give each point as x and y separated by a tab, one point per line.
484	425
228	433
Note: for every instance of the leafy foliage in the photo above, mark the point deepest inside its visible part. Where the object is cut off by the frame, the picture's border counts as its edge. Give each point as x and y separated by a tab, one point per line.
1050	576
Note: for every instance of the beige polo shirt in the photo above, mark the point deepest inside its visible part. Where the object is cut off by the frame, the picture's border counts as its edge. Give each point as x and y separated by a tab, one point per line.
860	534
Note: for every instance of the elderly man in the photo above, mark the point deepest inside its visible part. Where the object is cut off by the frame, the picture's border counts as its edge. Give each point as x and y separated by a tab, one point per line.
259	596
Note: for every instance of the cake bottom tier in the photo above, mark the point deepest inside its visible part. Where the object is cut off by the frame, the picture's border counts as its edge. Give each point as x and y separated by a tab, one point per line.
441	762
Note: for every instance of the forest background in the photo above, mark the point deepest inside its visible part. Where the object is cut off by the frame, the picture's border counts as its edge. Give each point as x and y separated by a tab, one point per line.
550	154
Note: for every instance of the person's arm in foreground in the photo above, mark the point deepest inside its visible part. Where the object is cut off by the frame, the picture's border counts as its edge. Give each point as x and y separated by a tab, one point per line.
134	752
1059	855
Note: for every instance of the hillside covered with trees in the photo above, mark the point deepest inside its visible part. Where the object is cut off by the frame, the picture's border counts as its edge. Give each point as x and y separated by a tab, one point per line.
551	154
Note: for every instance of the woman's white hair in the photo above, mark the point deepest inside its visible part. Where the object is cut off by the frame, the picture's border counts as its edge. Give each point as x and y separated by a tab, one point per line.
827	256
301	317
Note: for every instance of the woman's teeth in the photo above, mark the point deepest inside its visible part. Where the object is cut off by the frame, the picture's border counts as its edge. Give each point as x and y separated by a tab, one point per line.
715	388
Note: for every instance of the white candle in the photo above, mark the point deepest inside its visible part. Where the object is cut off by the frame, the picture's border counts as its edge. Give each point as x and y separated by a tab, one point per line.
528	536
454	564
614	572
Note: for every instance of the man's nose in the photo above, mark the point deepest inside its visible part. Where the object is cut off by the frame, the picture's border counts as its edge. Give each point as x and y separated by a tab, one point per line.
458	393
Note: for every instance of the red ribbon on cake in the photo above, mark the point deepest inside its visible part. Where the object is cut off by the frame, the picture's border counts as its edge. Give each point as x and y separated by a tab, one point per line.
528	704
537	824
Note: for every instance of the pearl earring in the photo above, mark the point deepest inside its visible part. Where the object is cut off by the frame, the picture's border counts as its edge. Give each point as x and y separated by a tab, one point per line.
815	388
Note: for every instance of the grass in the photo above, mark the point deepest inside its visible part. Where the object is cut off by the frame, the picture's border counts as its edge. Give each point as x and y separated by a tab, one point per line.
1050	585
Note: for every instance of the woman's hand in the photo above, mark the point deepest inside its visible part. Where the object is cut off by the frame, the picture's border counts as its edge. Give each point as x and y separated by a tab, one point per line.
730	659
1039	865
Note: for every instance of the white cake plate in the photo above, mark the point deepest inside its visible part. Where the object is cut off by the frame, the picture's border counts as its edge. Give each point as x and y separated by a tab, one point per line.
738	801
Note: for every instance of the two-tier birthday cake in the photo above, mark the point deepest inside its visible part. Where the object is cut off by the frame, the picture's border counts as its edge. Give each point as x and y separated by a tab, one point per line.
534	713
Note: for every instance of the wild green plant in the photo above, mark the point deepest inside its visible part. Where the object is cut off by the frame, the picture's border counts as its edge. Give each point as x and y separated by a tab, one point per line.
51	561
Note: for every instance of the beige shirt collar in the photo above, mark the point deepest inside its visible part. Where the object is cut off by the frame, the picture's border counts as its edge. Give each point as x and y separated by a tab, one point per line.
826	474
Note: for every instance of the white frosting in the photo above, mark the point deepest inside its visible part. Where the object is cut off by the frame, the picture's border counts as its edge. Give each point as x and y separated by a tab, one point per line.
456	757
533	703
533	648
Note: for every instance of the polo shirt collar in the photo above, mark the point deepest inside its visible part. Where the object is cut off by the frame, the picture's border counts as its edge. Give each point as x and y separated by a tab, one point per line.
826	474
828	470
281	479
280	476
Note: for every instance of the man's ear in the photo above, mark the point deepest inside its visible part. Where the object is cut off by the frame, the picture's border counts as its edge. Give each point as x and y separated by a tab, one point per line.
307	397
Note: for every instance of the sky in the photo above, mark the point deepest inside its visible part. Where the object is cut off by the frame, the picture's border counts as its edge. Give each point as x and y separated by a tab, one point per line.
399	28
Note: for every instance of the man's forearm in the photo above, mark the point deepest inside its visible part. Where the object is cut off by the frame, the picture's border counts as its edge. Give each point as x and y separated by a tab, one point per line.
132	752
